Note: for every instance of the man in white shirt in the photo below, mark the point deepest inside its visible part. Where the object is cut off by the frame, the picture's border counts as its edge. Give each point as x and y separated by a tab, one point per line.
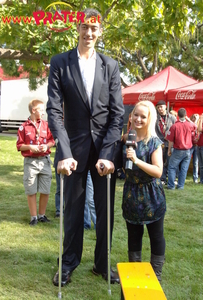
88	83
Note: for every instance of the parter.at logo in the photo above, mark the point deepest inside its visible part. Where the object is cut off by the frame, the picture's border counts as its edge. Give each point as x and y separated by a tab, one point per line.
56	20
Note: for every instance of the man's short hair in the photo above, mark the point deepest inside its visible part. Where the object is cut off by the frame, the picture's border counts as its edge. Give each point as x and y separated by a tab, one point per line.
33	104
91	12
182	113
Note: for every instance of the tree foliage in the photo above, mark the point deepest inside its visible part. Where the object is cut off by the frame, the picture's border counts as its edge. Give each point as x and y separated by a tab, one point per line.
187	55
142	35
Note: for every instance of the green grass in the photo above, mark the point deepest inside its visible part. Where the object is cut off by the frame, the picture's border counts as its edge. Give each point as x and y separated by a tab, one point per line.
28	256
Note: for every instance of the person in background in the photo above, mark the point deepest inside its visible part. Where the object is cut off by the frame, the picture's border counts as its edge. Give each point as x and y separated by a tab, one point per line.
88	83
174	113
195	118
57	194
180	138
34	140
164	121
125	136
200	147
143	194
120	171
89	213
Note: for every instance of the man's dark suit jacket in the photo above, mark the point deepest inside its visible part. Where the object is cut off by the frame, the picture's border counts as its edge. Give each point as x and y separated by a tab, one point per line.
102	123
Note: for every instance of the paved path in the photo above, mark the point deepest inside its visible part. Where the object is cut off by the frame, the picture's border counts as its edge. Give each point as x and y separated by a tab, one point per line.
7	133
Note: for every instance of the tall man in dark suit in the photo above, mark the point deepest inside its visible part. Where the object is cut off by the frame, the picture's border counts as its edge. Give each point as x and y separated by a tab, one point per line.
89	85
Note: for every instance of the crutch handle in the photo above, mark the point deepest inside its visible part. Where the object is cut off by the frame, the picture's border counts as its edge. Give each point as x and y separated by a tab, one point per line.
102	166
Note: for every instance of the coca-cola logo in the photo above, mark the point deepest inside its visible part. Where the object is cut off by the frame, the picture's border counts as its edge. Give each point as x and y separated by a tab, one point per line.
148	96
185	95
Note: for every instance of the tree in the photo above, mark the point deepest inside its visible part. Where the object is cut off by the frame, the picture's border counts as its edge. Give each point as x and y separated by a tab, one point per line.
139	34
187	55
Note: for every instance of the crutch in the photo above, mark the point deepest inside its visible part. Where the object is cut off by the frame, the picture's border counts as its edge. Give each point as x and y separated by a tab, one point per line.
108	177
60	234
109	231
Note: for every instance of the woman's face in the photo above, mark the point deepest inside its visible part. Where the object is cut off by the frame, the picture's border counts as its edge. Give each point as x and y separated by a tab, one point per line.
140	117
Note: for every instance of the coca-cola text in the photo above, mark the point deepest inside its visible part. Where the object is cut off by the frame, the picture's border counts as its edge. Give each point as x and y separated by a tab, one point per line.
185	95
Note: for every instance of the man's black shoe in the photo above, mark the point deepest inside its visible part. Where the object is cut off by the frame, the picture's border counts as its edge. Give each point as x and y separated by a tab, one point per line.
114	276
64	280
33	222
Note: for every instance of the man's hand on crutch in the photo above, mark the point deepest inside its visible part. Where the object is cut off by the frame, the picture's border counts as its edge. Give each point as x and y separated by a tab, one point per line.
66	166
105	167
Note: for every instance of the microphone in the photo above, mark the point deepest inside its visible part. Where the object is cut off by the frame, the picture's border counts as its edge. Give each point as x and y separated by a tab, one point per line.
131	142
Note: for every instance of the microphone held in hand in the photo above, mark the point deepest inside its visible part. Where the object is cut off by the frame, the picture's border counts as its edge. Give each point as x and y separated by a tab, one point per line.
131	142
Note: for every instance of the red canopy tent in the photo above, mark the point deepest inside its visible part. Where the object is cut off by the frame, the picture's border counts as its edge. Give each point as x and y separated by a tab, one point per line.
156	87
190	97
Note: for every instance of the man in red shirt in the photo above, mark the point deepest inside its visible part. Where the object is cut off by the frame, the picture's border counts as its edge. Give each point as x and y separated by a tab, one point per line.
34	140
180	138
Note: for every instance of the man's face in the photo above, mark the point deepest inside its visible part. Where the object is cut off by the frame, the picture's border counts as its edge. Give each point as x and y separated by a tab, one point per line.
89	33
161	109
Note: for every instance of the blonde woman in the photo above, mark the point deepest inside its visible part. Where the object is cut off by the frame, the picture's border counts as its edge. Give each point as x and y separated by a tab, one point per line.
143	195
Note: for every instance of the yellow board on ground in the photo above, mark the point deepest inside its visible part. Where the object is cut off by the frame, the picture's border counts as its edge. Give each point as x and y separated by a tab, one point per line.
138	281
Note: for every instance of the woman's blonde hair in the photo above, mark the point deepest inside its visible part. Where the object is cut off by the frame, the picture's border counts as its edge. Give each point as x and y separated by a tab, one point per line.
152	117
174	113
196	117
129	122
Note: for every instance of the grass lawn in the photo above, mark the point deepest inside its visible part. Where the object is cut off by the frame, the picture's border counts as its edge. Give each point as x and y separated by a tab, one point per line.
28	255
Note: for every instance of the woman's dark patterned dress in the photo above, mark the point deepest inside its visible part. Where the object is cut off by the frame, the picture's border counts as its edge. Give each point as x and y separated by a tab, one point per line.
143	195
